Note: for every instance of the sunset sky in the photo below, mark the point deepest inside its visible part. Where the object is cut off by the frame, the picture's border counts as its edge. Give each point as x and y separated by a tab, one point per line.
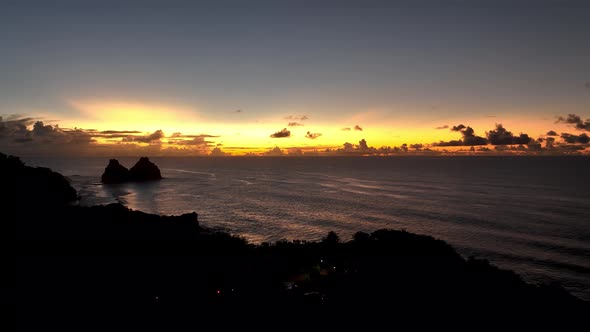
237	77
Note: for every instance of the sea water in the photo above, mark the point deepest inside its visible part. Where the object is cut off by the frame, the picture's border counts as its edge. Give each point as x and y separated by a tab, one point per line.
528	214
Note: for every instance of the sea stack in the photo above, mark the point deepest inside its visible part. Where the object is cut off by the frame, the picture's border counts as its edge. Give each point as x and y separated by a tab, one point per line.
115	173
145	170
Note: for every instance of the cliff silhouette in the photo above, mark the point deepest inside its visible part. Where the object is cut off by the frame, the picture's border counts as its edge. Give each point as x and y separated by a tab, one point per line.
78	263
32	187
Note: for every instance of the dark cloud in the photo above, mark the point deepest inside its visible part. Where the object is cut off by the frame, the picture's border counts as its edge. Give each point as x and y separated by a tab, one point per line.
312	135
42	134
295	152
114	132
549	141
458	128
217	152
42	139
469	138
575	120
111	137
501	136
200	135
294	124
281	134
449	143
16	120
386	150
352	149
297	117
571	118
357	127
364	149
109	134
154	137
346	129
275	152
196	141
363	145
570	148
79	136
442	127
416	147
572	139
46	131
552	133
534	145
238	111
15	127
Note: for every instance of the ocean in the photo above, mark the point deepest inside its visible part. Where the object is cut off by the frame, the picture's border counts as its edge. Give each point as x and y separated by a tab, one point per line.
527	214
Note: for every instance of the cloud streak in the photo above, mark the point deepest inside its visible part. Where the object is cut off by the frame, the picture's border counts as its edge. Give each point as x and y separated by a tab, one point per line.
154	137
297	117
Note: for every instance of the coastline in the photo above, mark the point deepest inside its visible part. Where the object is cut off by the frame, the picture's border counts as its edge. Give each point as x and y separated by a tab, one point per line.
209	270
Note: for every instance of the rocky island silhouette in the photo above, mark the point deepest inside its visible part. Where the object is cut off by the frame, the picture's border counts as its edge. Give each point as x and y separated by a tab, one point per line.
143	170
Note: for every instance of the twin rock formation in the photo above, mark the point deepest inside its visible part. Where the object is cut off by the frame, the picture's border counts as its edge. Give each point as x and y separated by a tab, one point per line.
144	170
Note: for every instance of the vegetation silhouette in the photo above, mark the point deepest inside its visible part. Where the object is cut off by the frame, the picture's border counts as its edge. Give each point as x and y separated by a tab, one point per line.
77	263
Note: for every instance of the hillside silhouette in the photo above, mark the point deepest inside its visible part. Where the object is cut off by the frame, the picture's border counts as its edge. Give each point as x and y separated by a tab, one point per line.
79	263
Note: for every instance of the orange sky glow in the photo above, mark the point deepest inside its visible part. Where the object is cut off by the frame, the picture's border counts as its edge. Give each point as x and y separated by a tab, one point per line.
120	127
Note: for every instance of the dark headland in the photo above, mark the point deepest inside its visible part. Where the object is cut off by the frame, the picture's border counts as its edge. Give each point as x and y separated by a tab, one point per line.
103	263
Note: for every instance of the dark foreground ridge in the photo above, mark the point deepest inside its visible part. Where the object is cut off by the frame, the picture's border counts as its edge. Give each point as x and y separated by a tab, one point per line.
101	263
143	170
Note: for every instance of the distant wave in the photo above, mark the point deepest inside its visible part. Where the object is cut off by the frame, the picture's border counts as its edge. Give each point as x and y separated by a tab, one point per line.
190	172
